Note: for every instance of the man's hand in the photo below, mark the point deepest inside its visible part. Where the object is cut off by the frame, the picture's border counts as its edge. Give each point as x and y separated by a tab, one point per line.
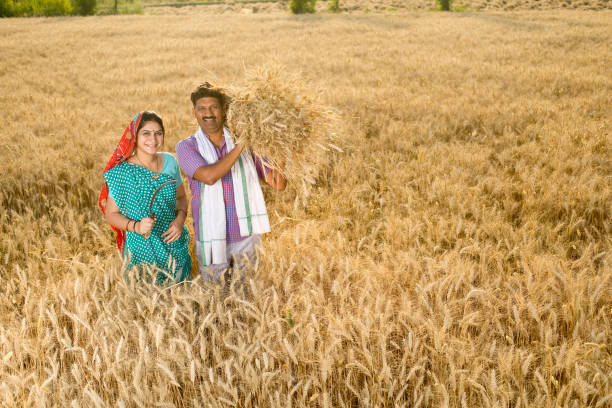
276	180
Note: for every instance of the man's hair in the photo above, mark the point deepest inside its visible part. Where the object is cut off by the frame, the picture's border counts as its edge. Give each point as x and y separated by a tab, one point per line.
207	90
150	116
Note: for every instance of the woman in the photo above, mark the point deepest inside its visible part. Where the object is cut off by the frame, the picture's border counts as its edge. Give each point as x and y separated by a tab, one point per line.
140	181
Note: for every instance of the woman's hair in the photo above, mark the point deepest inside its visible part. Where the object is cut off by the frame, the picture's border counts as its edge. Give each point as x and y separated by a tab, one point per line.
150	116
207	90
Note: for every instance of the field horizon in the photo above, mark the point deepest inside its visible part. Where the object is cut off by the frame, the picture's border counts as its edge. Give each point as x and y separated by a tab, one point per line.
456	252
386	7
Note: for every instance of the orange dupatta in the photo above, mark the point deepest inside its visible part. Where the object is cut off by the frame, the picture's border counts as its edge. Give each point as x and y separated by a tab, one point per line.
122	152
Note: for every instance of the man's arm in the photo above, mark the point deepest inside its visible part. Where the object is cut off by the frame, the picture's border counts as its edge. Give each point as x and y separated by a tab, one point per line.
195	167
210	173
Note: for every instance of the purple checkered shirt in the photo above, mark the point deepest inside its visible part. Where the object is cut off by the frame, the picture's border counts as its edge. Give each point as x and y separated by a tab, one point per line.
190	159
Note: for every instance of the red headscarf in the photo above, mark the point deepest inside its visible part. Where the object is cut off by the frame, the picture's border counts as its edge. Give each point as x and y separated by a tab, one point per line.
122	152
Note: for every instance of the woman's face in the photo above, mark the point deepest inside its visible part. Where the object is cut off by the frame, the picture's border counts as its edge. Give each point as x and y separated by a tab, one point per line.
150	138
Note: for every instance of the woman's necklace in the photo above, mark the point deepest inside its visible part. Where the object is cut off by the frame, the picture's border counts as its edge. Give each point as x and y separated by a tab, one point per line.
156	171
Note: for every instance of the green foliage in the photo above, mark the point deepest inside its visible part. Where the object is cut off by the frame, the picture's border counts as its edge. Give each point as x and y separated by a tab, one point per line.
334	7
302	6
444	4
84	7
35	8
7	8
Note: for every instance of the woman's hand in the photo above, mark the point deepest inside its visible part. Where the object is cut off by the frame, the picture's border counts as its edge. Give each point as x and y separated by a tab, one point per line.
174	232
145	225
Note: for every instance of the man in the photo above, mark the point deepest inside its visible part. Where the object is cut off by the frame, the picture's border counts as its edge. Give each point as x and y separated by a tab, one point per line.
229	212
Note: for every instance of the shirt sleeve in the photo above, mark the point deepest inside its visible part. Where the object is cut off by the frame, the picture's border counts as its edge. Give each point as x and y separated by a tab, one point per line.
262	170
171	168
189	156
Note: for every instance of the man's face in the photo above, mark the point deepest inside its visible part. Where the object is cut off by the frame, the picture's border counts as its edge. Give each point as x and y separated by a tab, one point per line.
209	114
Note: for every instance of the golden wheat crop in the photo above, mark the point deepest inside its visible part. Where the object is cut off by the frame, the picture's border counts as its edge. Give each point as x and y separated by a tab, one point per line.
279	118
456	253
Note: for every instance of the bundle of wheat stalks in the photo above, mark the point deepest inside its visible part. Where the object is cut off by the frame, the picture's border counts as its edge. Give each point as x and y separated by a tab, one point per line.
282	120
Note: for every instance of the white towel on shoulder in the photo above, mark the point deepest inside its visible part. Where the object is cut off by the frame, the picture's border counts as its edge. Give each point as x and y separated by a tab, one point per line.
248	197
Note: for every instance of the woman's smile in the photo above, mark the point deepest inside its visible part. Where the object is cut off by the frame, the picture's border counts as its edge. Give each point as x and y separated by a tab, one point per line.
150	137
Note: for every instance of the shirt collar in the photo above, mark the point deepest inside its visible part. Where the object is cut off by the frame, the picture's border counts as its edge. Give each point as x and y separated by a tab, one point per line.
220	149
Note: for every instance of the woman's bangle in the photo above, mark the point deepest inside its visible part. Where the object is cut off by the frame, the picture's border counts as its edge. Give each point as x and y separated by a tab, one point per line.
133	226
135	222
127	225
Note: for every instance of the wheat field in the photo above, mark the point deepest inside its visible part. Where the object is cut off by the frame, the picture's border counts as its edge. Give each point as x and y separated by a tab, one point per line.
456	253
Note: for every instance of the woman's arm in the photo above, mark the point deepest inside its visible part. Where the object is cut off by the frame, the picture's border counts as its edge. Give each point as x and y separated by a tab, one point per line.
116	219
176	226
181	203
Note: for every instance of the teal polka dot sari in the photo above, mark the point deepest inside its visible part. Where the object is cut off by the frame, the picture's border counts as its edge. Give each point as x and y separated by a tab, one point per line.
132	188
